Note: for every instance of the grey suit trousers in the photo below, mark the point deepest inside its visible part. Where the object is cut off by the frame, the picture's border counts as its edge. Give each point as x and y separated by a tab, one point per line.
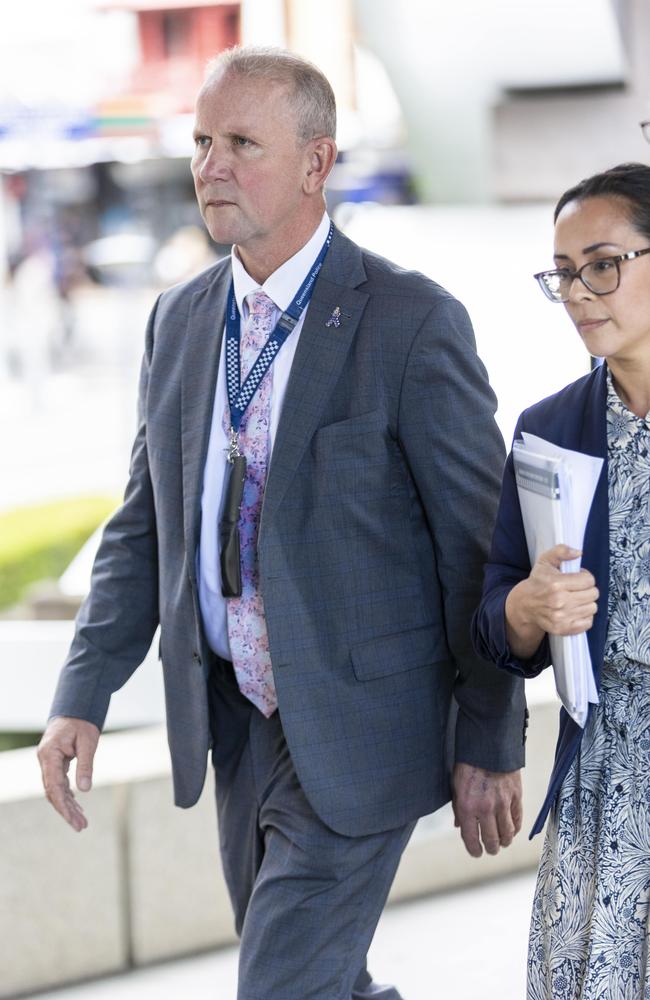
306	899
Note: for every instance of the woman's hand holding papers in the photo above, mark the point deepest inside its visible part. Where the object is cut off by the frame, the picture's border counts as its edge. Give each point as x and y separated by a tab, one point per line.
550	601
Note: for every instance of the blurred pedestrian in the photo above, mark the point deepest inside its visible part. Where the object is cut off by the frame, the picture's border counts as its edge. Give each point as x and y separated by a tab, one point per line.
34	320
182	256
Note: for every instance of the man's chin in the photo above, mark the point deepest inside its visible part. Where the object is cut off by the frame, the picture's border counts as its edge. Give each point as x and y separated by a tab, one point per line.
222	234
220	224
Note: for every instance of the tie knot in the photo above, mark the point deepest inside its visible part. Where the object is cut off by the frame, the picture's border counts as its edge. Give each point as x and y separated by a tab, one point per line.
257	328
260	306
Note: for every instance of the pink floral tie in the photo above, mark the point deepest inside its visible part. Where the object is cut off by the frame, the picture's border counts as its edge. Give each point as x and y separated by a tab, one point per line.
249	641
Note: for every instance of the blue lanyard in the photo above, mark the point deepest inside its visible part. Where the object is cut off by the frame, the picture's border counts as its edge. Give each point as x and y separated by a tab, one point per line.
239	396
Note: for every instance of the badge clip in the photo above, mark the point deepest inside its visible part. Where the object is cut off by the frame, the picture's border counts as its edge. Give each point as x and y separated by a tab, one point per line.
233	446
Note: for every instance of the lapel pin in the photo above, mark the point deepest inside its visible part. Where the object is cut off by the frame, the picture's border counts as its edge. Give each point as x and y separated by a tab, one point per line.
335	318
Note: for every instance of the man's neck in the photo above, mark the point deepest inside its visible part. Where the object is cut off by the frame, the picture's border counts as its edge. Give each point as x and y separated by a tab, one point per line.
260	261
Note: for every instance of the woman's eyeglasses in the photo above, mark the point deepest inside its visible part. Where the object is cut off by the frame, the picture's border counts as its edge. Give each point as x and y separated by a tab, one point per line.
602	276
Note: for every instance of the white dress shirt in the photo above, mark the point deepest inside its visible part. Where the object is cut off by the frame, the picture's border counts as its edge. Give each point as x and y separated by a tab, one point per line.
281	287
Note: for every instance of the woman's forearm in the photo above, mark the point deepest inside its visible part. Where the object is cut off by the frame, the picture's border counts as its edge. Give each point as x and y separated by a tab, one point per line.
524	635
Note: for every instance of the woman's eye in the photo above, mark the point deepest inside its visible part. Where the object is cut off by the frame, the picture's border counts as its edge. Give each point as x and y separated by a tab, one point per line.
603	265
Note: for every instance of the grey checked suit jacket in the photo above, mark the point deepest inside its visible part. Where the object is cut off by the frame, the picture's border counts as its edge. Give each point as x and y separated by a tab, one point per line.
379	505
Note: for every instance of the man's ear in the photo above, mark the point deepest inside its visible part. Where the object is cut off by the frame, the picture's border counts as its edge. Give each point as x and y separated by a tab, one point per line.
322	157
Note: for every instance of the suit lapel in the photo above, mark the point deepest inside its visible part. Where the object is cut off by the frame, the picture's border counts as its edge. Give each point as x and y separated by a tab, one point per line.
321	353
200	368
593	441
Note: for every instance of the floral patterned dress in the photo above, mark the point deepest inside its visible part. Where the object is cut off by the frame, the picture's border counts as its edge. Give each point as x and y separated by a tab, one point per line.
590	926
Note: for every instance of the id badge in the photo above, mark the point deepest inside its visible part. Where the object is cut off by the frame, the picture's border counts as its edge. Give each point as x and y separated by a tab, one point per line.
229	552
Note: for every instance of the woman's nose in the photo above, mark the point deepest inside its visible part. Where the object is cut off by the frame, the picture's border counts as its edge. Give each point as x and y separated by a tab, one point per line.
578	291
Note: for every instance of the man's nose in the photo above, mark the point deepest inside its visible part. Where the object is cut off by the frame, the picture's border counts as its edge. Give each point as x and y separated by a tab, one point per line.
214	165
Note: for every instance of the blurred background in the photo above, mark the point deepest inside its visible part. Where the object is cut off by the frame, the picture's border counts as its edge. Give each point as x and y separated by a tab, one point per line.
460	125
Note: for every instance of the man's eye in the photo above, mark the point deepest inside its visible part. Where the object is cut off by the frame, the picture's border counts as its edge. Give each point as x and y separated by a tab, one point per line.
202	141
241	141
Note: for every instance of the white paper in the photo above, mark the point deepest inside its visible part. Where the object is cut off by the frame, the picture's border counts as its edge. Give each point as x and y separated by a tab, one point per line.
551	519
584	471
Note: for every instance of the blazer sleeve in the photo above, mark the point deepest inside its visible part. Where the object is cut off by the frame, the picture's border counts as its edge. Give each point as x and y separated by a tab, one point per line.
117	621
507	566
455	452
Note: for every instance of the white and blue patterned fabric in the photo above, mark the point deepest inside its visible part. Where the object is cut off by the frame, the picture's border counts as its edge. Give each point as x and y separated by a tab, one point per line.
590	921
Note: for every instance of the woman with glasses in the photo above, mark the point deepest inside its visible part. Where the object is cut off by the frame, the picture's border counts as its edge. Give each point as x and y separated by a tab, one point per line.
590	921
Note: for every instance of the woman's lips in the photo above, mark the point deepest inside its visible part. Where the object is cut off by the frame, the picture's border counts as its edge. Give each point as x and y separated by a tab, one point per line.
588	325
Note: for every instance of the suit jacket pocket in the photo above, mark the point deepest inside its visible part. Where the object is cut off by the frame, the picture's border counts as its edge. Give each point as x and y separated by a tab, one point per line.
355	458
370	422
393	654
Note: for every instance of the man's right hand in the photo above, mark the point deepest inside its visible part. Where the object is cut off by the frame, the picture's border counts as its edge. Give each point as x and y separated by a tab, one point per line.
64	739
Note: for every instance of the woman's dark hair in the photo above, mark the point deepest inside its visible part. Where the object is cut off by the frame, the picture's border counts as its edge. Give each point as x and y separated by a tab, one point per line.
630	181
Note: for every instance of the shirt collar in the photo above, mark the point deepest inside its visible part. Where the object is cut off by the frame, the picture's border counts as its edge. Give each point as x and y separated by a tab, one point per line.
282	285
625	419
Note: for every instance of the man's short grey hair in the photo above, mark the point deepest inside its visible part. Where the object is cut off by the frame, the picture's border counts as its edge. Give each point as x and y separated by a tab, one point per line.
310	91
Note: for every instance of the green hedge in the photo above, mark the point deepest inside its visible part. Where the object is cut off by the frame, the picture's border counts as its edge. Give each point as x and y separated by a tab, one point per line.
16	741
38	543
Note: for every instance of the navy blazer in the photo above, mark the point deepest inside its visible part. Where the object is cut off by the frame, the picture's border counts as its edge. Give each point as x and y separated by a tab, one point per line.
576	418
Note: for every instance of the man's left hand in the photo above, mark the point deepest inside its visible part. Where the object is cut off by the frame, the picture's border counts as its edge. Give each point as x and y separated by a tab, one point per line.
487	807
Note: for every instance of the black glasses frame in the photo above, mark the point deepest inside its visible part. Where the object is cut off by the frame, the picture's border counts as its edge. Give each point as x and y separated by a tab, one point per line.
566	271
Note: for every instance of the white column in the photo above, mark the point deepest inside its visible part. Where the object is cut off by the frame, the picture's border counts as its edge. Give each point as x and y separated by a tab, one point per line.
435	64
263	22
326	38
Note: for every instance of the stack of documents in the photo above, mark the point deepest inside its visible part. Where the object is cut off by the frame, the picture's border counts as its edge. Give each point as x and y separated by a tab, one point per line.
556	488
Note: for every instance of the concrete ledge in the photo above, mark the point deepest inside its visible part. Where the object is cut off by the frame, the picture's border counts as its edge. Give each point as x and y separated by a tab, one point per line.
144	882
62	913
179	901
31	655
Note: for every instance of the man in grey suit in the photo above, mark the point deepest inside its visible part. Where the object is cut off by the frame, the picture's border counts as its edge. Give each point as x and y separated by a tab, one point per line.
337	688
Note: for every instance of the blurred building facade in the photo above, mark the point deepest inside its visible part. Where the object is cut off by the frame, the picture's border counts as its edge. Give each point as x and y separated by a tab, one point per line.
481	102
514	101
73	173
118	165
546	139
